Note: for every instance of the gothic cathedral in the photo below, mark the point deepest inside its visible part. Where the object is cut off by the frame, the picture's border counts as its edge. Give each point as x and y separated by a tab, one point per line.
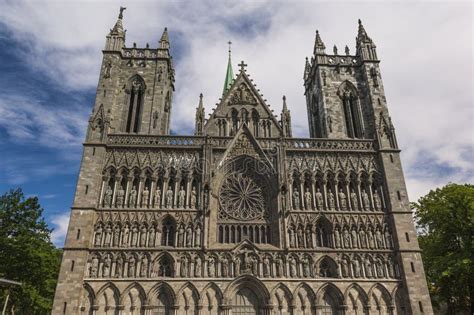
241	218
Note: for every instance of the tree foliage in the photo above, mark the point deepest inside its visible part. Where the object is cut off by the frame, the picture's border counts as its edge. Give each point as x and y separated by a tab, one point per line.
27	254
445	221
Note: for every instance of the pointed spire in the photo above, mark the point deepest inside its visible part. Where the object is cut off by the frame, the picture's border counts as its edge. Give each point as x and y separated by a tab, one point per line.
286	119
307	68
165	40
362	34
285	108
229	75
200	118
319	46
116	37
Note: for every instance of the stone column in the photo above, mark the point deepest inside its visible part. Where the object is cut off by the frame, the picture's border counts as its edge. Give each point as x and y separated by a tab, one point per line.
313	191
177	184
325	192
116	179
348	194
302	180
154	183
187	202
290	190
359	193
165	189
336	194
105	181
127	189
141	184
371	195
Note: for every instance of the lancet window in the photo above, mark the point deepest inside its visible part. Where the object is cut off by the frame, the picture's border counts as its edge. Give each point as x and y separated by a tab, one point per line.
135	104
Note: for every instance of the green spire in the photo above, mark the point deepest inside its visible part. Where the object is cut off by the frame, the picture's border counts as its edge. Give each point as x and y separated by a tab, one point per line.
229	76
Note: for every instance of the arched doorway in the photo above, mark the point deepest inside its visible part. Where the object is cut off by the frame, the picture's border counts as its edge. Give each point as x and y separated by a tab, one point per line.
245	302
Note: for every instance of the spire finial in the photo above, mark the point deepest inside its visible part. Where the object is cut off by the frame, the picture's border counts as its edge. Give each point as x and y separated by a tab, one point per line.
121	12
229	75
285	108
230	47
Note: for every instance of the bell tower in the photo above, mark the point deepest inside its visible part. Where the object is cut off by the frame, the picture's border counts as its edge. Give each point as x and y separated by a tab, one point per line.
135	89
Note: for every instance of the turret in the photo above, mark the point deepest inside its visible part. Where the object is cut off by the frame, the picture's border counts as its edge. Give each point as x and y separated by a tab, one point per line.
116	37
165	40
200	118
286	119
365	46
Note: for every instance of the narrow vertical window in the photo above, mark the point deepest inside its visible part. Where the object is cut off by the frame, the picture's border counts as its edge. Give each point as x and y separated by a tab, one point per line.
87	189
72	265
64	307
421	306
391	158
399	196
135	103
350	107
78	234
412	267
407	236
93	151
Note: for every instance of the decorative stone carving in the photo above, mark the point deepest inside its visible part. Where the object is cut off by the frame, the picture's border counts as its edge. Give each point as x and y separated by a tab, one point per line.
308	197
181	197
108	197
296	199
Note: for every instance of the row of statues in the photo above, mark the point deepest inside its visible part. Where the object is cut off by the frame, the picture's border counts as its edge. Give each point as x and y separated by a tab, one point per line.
147	235
335	202
144	200
320	235
110	265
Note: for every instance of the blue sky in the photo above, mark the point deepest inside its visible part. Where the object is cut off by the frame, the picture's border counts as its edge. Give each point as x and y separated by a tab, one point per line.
51	54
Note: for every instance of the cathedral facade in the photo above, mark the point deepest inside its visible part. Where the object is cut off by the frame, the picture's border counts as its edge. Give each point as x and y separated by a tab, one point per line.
240	218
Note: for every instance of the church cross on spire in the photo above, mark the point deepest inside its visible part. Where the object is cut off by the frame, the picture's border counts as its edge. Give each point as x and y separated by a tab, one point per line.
242	66
121	12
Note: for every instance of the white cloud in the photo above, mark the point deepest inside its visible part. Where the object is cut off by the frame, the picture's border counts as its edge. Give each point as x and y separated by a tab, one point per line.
60	223
425	48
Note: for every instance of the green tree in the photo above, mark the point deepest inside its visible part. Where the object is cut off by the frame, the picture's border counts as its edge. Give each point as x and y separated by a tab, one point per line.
27	254
445	221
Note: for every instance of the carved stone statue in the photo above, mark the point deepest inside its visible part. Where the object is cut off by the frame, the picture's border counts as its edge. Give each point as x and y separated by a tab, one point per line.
125	235
388	239
266	266
319	199
337	238
151	236
119	267
225	267
307	198
306	271
390	267
144	267
379	268
181	197
145	196
181	236
116	238
379	238
377	200
293	269
368	267
309	238
189	236
363	238
299	234
193	201
355	202
237	263
132	197
197	236
143	235
197	267
108	236
184	267
347	238
247	263
342	200
211	269
366	200
108	197
158	198
345	267
255	266
356	267
331	200
120	196
134	236
279	266
131	266
371	239
169	198
296	199
354	238
94	267
98	236
291	235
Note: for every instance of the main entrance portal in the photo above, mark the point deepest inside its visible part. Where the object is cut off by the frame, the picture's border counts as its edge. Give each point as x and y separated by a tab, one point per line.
245	303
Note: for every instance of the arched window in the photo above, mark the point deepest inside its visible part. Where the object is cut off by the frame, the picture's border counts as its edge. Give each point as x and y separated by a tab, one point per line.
323	232
352	113
135	104
235	121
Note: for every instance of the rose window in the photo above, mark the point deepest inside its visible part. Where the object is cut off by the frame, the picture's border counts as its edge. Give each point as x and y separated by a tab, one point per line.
241	198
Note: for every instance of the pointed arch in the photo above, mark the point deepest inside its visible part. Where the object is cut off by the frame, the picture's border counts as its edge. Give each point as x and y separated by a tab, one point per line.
87	300
380	299
324	233
282	299
162	297
304	299
329	299
211	298
255	285
168	228
188	299
327	267
107	299
132	299
356	300
163	265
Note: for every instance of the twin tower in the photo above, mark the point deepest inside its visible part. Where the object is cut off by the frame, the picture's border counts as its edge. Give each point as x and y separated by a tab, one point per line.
241	217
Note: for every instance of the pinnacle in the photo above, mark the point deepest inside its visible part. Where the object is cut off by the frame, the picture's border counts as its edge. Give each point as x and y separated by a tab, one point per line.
318	44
